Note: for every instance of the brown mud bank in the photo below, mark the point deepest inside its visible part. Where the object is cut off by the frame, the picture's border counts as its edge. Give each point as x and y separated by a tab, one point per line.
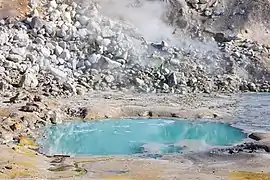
20	158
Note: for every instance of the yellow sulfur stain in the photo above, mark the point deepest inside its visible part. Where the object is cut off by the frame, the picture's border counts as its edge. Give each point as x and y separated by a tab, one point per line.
24	151
243	175
19	173
91	116
51	103
27	142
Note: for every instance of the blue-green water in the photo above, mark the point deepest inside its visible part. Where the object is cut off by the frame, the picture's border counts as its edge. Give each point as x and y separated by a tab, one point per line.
135	136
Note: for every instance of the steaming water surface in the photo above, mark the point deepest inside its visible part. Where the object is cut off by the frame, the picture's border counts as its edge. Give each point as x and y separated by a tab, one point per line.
136	136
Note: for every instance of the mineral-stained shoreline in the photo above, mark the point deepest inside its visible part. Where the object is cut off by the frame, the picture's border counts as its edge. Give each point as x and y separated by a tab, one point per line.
65	60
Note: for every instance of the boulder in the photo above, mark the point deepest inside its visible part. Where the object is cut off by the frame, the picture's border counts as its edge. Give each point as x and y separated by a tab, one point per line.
28	80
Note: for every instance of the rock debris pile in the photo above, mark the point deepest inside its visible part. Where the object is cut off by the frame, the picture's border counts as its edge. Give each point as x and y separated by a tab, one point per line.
70	49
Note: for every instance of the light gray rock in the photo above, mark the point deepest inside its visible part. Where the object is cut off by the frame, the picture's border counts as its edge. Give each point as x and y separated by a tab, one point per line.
55	15
18	51
252	87
83	20
49	28
58	50
70	87
54	117
208	12
106	63
174	62
7	137
107	33
165	86
36	23
73	47
62	44
3	38
83	33
77	24
15	58
61	61
236	54
64	8
45	52
29	80
57	73
67	17
65	54
94	71
2	70
53	4
31	57
139	81
33	3
94	58
192	81
87	64
61	33
106	42
3	85
2	22
51	45
40	40
80	64
94	26
109	79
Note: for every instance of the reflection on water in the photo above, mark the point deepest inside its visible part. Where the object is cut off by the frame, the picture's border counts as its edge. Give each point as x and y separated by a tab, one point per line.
253	112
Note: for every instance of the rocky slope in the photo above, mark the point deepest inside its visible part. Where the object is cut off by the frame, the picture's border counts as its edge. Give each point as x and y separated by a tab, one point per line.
69	48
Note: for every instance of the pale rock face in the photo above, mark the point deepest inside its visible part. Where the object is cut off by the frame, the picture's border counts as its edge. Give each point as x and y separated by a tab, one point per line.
36	22
65	54
67	17
29	80
18	51
58	50
83	20
94	58
74	40
57	73
15	58
3	38
7	137
53	4
109	78
54	116
45	52
106	63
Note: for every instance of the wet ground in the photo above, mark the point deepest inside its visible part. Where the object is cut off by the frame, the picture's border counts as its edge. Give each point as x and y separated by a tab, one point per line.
253	112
